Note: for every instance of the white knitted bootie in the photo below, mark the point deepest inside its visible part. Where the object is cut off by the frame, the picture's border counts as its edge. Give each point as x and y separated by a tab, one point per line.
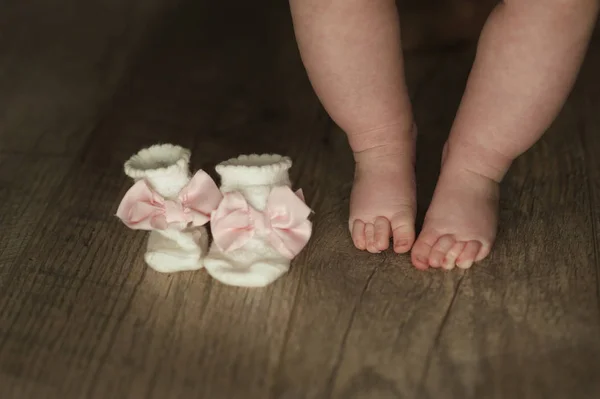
260	225
173	207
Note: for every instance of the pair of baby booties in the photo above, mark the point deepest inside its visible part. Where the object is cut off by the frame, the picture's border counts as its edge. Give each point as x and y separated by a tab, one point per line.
257	222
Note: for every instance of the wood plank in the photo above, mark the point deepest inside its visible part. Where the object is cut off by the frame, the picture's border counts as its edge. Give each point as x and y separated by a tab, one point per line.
588	91
56	79
28	184
68	292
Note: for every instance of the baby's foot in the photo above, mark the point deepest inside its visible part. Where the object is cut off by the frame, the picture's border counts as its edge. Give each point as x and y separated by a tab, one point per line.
383	201
460	224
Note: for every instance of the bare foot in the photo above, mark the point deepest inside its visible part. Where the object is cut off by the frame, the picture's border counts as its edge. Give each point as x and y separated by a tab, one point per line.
383	200
461	222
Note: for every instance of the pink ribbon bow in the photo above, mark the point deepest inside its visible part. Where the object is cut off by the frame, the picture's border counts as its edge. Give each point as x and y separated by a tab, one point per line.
284	221
144	209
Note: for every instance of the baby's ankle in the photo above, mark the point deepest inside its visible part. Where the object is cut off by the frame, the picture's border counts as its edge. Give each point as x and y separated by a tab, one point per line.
389	143
477	159
397	133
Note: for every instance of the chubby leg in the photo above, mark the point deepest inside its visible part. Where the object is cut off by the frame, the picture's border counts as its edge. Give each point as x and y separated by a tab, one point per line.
352	53
528	58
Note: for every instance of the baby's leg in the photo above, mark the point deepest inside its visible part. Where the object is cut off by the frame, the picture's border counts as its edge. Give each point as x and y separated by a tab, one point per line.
351	50
528	57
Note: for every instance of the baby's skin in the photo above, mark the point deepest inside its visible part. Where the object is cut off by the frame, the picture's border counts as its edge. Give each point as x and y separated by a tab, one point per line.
528	58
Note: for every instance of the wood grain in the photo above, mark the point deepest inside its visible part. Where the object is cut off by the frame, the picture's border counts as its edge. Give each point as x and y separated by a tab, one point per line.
81	315
60	63
587	99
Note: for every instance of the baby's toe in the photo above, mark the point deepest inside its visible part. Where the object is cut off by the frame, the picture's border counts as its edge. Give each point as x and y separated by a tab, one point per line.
439	250
484	251
370	237
403	230
382	233
420	254
452	254
358	235
467	256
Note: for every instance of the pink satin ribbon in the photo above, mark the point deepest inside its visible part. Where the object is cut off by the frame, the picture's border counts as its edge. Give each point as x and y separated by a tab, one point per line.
284	222
142	208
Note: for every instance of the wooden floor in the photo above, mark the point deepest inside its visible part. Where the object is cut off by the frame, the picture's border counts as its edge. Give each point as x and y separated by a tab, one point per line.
81	316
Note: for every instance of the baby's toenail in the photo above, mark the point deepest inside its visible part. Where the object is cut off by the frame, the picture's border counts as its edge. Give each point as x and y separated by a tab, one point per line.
448	264
465	264
421	259
402	243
